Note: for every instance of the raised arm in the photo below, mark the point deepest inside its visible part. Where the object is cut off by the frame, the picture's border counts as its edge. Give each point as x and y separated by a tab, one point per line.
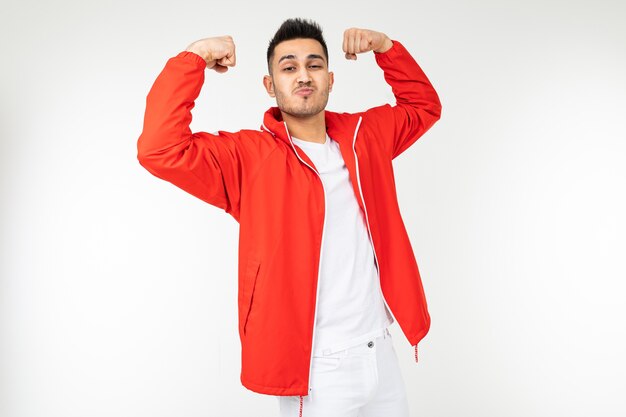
205	165
417	103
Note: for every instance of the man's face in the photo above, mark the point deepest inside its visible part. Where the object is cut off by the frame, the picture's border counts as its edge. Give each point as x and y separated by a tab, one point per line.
299	80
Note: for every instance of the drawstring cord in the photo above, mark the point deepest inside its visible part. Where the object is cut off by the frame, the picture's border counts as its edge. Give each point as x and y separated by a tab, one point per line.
415	353
301	406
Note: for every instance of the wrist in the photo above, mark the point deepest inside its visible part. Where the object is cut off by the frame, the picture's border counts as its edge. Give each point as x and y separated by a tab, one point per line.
387	44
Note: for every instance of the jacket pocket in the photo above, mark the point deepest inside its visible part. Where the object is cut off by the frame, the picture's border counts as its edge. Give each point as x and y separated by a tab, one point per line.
251	275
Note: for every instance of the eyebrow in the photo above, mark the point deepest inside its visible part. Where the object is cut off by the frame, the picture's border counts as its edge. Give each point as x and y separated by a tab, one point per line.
310	56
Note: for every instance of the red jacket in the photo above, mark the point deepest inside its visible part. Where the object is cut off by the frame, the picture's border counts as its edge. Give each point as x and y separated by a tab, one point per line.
273	190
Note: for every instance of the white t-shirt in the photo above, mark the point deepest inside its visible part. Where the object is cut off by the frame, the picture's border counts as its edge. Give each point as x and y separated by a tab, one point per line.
350	305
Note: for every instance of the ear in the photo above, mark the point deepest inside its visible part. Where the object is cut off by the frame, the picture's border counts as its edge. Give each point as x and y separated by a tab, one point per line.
331	81
269	85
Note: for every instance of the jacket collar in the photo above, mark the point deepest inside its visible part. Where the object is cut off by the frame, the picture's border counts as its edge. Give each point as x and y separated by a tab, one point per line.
339	126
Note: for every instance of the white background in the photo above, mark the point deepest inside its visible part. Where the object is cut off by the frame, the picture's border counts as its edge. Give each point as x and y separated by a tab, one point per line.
118	290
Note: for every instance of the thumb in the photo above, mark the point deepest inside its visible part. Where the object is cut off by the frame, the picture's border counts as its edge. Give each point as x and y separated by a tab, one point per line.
219	68
227	60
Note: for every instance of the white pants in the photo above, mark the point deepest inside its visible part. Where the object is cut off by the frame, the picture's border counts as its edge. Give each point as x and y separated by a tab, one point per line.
361	381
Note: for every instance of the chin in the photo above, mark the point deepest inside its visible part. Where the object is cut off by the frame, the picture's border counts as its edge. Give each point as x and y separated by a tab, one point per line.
307	113
302	111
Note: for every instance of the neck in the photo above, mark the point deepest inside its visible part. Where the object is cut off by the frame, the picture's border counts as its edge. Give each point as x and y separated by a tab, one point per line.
309	128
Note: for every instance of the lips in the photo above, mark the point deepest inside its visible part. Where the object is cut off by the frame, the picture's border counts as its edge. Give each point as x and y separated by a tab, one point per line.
306	91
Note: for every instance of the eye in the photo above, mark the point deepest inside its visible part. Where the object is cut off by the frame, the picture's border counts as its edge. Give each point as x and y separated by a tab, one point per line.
315	66
287	68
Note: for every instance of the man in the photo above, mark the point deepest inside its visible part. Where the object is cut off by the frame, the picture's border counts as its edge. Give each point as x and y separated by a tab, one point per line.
325	262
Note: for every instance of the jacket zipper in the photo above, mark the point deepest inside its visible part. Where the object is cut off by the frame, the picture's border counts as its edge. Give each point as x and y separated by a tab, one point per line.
358	181
320	261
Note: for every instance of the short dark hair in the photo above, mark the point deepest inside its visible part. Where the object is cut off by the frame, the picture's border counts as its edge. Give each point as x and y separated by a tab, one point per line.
296	28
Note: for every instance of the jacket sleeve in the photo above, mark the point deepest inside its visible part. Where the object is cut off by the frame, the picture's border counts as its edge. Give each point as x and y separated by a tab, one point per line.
205	165
417	103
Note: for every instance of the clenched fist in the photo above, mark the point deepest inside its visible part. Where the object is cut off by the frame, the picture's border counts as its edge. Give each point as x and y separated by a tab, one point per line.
356	41
218	52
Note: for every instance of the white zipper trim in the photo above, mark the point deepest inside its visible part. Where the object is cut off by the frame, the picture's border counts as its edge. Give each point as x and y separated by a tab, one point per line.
319	268
358	181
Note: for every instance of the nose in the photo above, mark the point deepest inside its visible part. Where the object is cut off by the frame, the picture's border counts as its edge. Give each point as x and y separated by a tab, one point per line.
304	76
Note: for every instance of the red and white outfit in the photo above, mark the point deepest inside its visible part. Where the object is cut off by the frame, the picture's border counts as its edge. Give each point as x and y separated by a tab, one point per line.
354	370
350	306
273	189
